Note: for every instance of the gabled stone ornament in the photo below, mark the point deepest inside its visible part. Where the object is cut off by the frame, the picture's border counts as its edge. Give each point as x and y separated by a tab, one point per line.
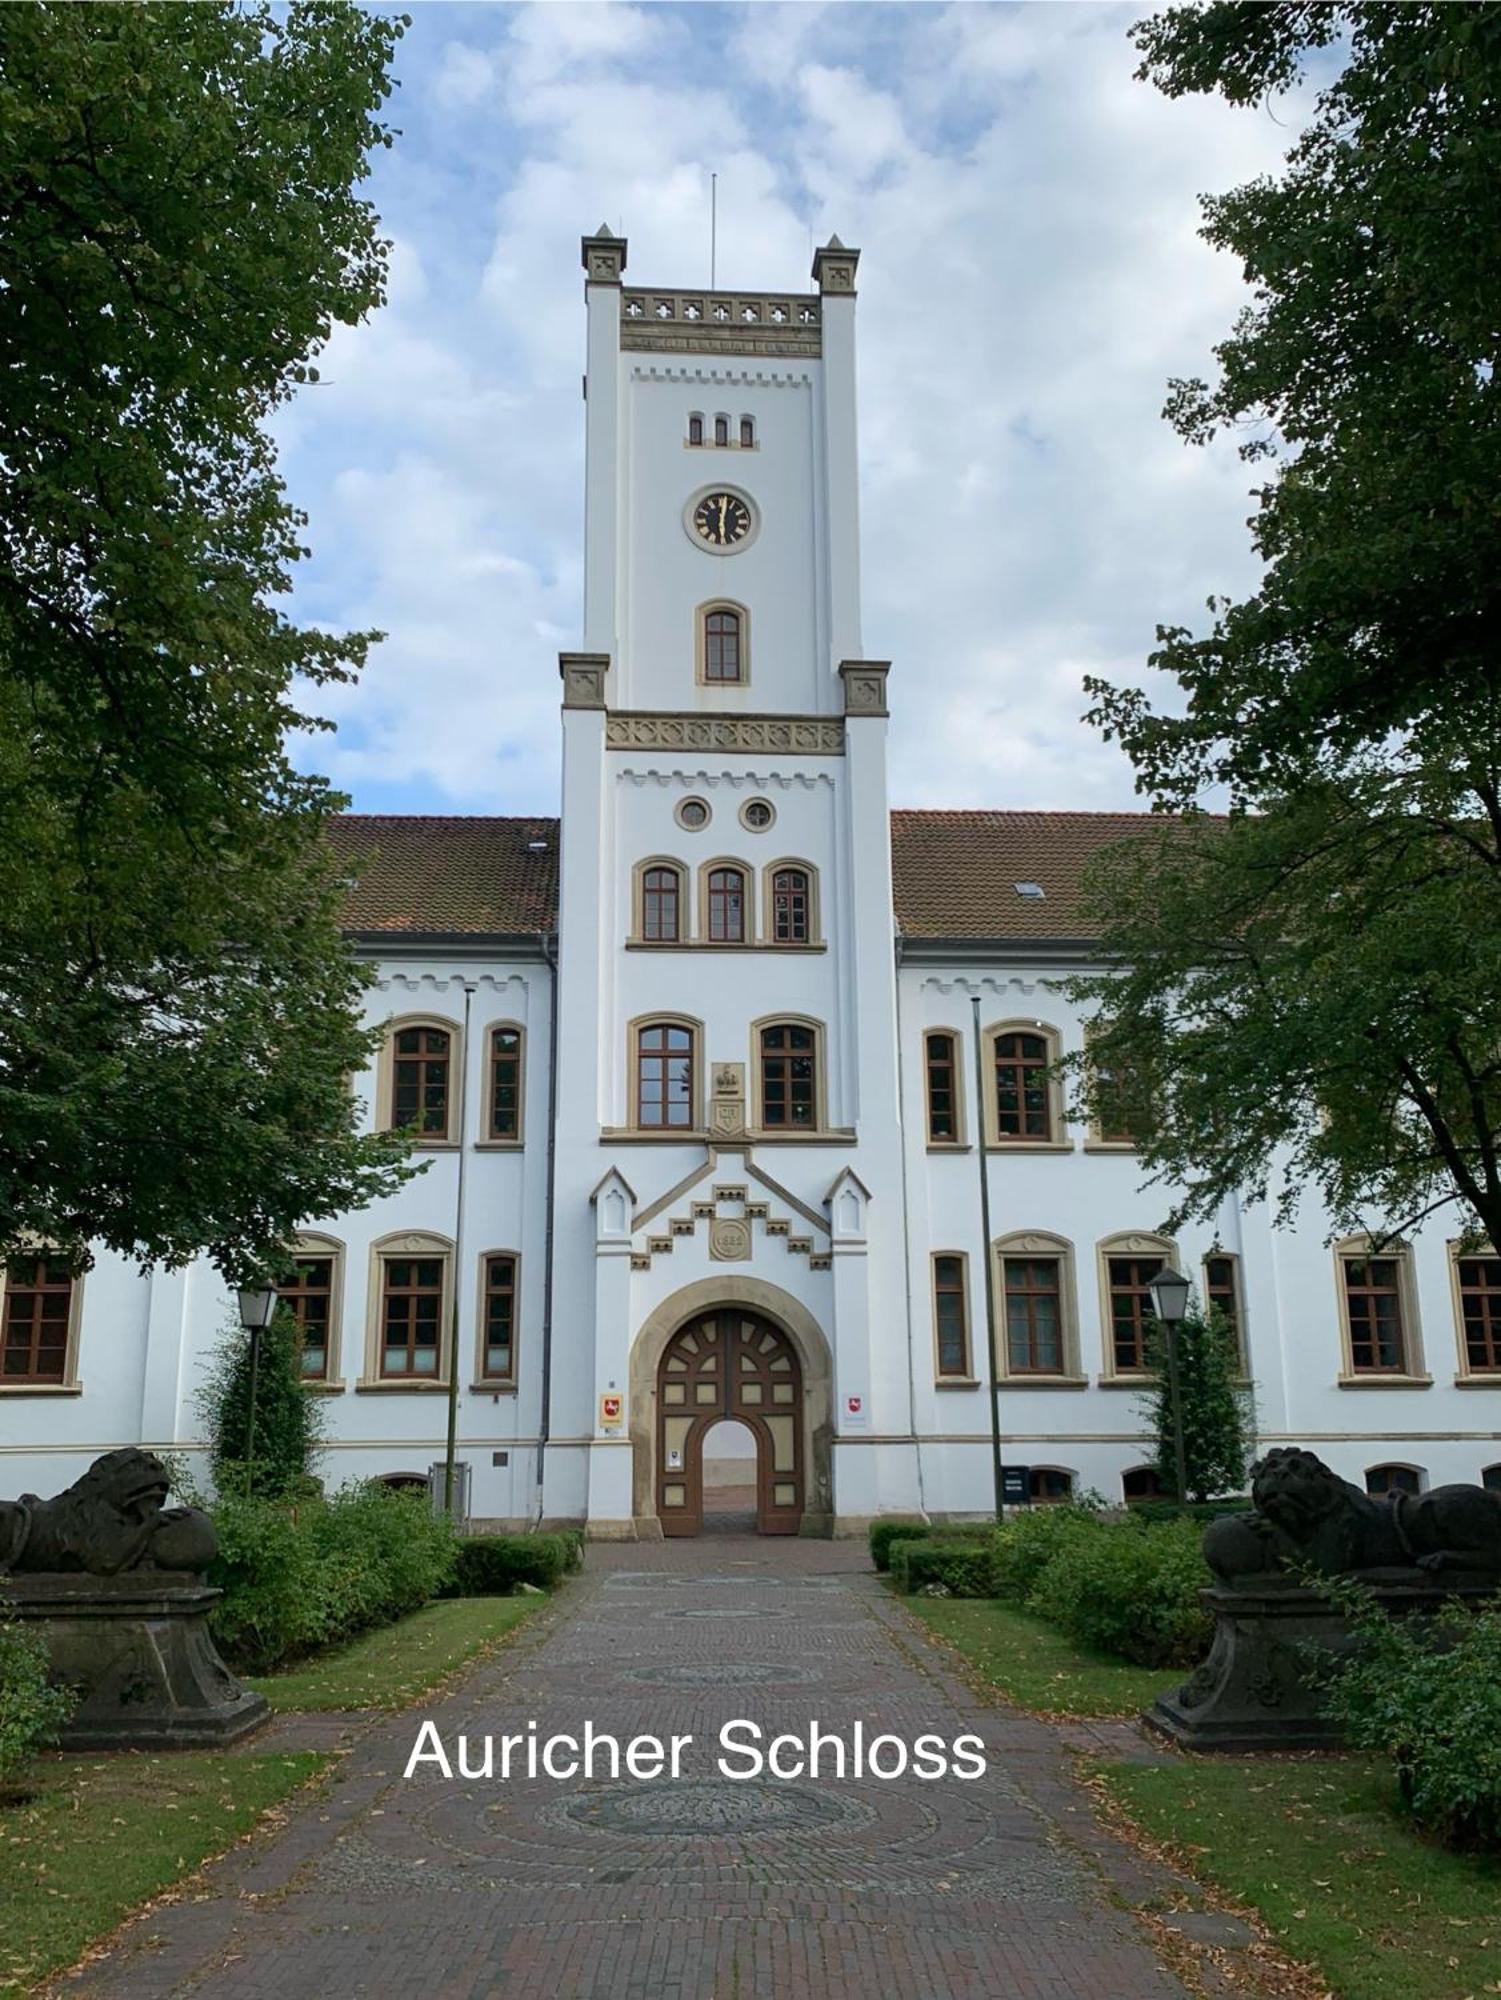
614	1202
847	1201
834	268
603	257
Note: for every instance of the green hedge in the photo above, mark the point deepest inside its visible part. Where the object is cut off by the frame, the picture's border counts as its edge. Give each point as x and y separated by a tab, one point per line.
300	1577
32	1711
965	1567
886	1531
1202	1511
1129	1588
1032	1537
492	1565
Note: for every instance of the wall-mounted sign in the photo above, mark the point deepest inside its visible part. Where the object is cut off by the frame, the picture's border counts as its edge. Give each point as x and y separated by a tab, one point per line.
856	1416
674	1461
611	1404
1016	1485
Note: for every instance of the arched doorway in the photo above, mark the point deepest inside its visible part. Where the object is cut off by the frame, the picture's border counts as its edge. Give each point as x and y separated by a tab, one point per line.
737	1364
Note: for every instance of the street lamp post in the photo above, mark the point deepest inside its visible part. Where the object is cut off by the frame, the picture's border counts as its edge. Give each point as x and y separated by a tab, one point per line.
257	1310
1169	1295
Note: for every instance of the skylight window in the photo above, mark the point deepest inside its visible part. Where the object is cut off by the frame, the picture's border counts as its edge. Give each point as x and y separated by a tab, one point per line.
1033	891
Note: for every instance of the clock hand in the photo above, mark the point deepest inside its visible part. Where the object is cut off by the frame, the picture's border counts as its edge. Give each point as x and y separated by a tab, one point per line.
723	503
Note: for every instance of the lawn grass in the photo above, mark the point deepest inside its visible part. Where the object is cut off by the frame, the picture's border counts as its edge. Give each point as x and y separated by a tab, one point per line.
1034	1665
392	1666
1340	1880
101	1835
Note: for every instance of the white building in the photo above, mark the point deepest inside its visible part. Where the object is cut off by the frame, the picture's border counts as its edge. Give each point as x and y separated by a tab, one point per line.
713	1157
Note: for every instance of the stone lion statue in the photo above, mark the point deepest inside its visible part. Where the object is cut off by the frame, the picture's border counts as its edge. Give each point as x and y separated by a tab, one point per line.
115	1518
1305	1516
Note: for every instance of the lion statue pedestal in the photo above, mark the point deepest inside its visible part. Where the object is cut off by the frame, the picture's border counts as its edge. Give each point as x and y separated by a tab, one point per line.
112	1578
1414	1552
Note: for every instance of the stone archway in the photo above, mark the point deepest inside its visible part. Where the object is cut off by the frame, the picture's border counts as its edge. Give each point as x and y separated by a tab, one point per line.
737	1366
791	1319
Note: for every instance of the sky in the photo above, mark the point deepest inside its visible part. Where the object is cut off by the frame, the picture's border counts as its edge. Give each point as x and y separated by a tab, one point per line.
1031	278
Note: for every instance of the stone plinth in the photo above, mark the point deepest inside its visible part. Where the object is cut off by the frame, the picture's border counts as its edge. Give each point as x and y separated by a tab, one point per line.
138	1649
1253	1691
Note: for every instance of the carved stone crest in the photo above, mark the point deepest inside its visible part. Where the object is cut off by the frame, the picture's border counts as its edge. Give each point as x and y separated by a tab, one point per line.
729	1240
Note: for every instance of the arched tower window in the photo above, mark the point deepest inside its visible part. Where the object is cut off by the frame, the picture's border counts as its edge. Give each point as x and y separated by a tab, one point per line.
726	906
747	431
721	430
723	647
664	1076
696	428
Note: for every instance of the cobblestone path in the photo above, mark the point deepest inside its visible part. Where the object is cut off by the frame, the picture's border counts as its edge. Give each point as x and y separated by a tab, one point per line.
702	1889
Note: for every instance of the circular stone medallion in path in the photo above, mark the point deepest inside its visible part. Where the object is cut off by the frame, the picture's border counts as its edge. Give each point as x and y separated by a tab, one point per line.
736	1674
714	1807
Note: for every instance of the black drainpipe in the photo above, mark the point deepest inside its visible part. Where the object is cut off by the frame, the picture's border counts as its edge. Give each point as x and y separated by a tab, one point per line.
549	953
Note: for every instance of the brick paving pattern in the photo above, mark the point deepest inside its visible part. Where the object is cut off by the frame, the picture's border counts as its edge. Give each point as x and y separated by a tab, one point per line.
697	1890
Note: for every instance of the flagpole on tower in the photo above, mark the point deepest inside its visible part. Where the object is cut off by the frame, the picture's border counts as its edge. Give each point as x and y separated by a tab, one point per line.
713	231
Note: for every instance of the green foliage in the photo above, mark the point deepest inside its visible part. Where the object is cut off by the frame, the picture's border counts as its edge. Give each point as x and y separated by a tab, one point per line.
1214	1407
1202	1511
299	1577
1130	1589
32	1710
576	1541
1032	1537
182	233
289	1422
1426	1695
886	1531
964	1566
492	1565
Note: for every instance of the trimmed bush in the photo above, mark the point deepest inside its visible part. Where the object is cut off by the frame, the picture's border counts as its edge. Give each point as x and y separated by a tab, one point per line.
289	1417
576	1542
965	1567
1127	1588
32	1711
492	1565
1426	1694
297	1578
1031	1538
885	1531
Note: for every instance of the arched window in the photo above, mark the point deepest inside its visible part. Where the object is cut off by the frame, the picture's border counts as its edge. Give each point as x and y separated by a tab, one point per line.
1047	1485
1128	1264
310	1293
1023	1095
421	1098
1036	1305
497	1355
661	904
726	906
1142	1482
1222	1293
664	1077
723	651
1383	1481
789	1077
941	1077
721	430
695	428
791	906
747	431
951	1316
505	1082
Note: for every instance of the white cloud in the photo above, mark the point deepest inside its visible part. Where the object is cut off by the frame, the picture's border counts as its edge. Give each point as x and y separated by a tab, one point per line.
1031	278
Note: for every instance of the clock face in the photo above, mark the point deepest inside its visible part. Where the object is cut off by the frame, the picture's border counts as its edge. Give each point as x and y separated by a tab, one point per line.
721	520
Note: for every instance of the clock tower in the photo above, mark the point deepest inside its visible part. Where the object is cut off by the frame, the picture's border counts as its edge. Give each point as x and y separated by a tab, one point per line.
726	984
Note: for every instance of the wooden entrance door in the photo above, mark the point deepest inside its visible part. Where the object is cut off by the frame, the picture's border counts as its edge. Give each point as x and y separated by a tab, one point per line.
729	1363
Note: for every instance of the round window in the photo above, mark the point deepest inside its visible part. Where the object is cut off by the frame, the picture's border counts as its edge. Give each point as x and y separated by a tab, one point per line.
757	814
693	814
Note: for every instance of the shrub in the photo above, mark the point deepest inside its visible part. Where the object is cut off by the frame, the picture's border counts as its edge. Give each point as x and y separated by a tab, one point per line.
886	1531
1217	1408
32	1711
1427	1694
1130	1589
289	1418
1202	1511
576	1542
492	1565
966	1568
1031	1538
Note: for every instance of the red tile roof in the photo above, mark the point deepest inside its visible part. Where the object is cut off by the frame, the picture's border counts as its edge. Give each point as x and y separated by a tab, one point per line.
449	876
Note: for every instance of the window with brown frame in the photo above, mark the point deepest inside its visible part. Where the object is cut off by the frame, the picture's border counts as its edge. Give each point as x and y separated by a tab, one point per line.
1382	1482
721	430
1480	1312
789	1076
791	906
1142	1482
726	906
664	1076
1023	1108
1047	1486
1373	1303
942	1054
951	1316
1131	1309
722	649
411	1315
1222	1290
1112	1094
747	430
419	1081
308	1295
38	1314
1033	1290
500	1319
505	1083
661	905
695	429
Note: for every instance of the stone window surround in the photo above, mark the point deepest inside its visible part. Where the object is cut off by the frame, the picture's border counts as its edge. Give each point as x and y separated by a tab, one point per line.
1467	1377
1052	1038
1413	1375
489	1140
747	876
638	901
1039	1243
1094	1139
1217	1253
695	1128
70	1385
959	1142
385	1084
314	1243
405	1243
1125	1243
758	1127
496	1385
966	1378
701	618
693	911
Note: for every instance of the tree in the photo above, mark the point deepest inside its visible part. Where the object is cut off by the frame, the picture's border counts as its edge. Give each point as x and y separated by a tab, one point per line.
289	1426
1305	994
180	230
1217	1417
